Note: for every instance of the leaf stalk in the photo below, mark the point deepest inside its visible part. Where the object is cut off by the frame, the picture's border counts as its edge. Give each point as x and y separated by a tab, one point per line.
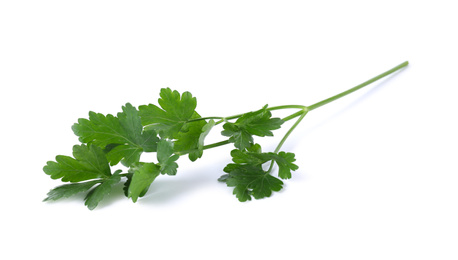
384	74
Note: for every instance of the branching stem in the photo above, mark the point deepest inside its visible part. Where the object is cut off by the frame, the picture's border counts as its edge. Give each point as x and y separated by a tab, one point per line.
301	113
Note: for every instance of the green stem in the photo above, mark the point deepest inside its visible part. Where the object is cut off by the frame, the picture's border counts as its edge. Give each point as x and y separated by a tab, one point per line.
302	114
204	118
305	109
286	106
209	146
282	141
229	118
328	100
292	116
221	118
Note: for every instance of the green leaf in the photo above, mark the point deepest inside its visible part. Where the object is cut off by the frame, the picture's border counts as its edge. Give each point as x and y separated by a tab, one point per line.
68	190
166	158
241	138
125	153
188	138
127	183
255	148
285	161
223	178
170	120
175	111
142	178
205	131
89	162
249	180
129	176
100	130
243	157
259	123
131	122
124	134
285	164
98	193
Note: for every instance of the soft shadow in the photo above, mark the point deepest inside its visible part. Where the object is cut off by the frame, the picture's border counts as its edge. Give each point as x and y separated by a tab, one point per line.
166	189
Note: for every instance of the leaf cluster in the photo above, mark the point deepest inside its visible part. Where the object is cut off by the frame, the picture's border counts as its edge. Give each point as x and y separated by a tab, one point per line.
247	174
171	129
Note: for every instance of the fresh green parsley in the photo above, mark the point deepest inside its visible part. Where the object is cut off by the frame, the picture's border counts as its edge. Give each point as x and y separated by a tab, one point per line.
173	129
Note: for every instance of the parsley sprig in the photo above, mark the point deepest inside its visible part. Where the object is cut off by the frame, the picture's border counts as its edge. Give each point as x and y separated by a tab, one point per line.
171	130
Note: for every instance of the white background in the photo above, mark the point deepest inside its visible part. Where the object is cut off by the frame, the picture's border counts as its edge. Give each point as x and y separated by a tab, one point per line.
378	172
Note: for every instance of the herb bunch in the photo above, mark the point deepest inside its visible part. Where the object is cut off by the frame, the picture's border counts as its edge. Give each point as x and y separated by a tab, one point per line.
171	130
